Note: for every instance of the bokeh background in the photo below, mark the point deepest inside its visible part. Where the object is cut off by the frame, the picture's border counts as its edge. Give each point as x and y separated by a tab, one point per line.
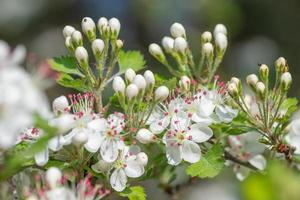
259	32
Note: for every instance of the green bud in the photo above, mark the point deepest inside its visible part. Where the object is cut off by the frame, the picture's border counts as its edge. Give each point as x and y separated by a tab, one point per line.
264	73
286	81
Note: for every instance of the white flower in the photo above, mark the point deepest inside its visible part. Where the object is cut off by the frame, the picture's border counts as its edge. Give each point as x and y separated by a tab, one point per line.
181	140
145	136
293	137
161	93
246	148
105	135
53	177
60	104
128	165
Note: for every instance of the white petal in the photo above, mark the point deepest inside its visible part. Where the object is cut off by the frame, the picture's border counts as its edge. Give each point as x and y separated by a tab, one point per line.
201	120
259	162
133	169
18	55
241	172
109	150
160	125
199	133
118	180
98	125
55	143
179	123
190	151
94	142
68	137
42	157
295	126
205	107
174	154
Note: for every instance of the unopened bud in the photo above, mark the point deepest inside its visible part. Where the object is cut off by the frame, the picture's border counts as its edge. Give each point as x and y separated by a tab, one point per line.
68	30
286	81
60	104
185	83
142	158
149	77
177	30
129	75
68	44
260	89
81	55
281	65
168	43
180	44
119	85
156	51
76	39
232	89
53	177
207	49
161	93
115	26
220	28
251	80
131	91
98	47
80	138
140	82
221	41
145	136
206	37
89	28
264	72
238	83
102	22
119	44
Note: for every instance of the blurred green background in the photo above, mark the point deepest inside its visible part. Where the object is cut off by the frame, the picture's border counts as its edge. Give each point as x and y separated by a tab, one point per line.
259	32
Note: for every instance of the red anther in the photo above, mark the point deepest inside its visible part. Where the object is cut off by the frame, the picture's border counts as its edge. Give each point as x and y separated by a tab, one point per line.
193	81
125	165
216	77
176	110
133	129
160	123
190	137
190	115
133	142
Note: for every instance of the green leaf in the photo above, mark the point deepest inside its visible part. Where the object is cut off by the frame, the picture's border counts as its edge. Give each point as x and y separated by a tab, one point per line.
290	105
131	59
209	165
134	193
169	83
65	64
68	81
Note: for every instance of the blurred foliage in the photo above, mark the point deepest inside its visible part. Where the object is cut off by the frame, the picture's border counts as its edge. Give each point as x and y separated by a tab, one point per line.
279	183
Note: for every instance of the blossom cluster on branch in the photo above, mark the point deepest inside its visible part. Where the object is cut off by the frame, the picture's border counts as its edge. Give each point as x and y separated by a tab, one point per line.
91	146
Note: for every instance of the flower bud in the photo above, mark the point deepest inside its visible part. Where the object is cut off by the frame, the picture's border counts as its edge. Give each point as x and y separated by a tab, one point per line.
221	41
232	89
102	22
260	89
286	81
89	28
80	138
149	77
140	82
220	28
119	44
68	44
180	44
168	43
156	51
97	47
177	30
206	37
238	83
68	30
207	49
281	65
185	83
53	177
264	72
142	158
60	104
129	75
81	55
115	26
119	85
131	91
145	136
161	93
76	39
251	80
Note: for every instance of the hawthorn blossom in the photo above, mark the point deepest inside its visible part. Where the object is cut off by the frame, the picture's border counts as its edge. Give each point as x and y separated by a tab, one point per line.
129	164
182	138
246	148
19	97
105	134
